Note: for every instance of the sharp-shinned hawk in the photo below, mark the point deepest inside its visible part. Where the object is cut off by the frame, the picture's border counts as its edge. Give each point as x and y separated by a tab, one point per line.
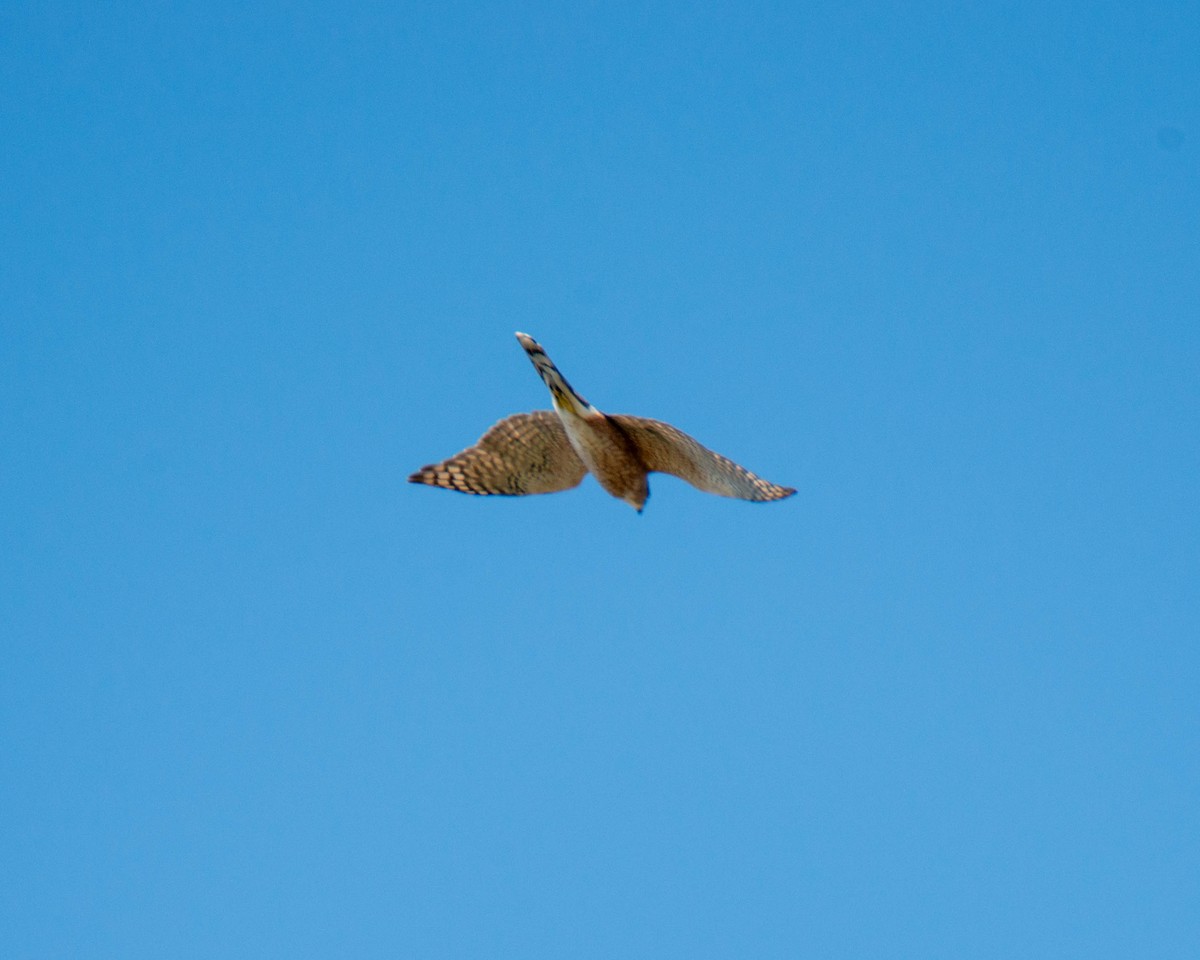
544	452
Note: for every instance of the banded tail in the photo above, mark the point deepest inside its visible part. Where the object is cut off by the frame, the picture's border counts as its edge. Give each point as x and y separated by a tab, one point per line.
565	397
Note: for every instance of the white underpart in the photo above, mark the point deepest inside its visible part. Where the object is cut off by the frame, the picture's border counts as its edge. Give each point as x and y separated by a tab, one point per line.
577	433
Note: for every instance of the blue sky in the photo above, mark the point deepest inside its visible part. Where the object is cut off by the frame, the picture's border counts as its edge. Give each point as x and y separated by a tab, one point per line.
938	268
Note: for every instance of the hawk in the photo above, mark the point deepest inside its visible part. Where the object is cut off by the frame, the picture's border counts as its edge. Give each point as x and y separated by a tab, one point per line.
547	451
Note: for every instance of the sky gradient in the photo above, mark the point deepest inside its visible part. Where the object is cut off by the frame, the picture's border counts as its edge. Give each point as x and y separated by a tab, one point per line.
937	268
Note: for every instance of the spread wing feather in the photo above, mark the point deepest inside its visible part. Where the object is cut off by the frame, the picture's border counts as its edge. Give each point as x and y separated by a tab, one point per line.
524	453
667	449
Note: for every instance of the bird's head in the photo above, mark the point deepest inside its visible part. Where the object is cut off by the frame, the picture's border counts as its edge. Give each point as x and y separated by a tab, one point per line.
637	496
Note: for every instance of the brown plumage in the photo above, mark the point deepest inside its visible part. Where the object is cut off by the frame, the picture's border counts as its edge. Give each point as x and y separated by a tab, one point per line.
524	453
544	452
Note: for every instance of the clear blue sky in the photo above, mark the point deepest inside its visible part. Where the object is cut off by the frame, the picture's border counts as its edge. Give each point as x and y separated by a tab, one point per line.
938	268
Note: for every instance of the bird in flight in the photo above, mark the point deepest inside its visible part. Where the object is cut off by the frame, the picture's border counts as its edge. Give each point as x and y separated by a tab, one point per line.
547	451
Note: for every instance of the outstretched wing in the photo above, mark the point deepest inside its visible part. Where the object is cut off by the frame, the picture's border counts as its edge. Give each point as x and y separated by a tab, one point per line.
667	449
524	453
